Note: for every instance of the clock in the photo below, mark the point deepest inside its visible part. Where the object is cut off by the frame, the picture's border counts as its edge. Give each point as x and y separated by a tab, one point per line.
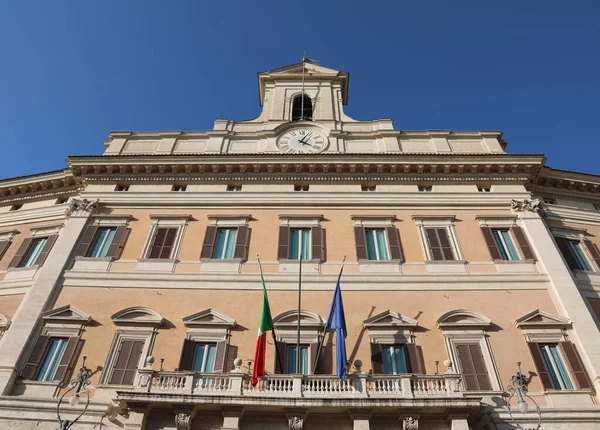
306	140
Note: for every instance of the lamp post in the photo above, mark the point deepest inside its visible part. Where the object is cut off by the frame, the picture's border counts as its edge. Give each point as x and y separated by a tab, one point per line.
79	384
518	387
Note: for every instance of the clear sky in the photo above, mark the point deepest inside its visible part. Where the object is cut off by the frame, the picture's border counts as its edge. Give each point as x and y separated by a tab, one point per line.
71	71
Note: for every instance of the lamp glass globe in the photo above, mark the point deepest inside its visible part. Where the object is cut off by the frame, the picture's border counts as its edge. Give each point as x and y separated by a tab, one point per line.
74	400
522	406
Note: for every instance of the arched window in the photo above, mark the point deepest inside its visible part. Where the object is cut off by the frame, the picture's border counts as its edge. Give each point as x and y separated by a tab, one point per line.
300	111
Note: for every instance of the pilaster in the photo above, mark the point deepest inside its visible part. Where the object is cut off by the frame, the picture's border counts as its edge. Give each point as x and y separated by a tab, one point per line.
136	418
361	419
41	295
232	417
458	422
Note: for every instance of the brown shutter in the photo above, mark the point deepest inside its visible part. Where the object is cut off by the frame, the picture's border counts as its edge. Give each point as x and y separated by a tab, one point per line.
395	244
118	243
3	247
434	244
126	362
46	250
283	250
282	348
313	348
162	245
186	361
169	242
415	358
592	248
221	356
35	358
540	366
317	243
566	252
445	244
157	241
209	242
481	372
66	362
523	243
86	241
242	243
361	243
376	358
16	261
467	367
574	362
491	243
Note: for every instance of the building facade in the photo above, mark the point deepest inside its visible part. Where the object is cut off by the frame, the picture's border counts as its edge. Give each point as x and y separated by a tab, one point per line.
461	259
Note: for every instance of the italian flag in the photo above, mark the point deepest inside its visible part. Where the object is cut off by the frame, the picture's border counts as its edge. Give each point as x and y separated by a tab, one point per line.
266	324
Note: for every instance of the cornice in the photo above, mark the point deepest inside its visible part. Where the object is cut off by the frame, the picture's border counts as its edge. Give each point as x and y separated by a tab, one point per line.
589	192
38	186
572	214
24	216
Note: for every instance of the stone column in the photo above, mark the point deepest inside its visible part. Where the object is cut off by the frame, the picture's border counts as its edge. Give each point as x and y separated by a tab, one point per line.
360	418
231	417
42	294
458	422
564	291
137	416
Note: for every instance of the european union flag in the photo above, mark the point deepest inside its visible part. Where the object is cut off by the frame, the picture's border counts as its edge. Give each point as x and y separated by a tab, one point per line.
337	321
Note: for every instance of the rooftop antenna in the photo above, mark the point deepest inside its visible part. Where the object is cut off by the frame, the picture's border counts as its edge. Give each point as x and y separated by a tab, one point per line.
305	60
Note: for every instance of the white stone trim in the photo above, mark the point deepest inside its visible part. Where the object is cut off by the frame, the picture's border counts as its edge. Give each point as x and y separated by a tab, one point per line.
461	319
311	325
111	220
208	326
300	220
4	324
146	334
48	230
374	221
507	220
229	220
390	327
137	316
439	221
66	314
542	326
7	235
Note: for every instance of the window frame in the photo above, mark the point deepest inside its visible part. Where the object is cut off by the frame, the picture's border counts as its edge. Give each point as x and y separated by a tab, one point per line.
425	188
300	221
302	237
394	347
553	370
377	251
579	236
179	188
234	188
166	221
103	245
311	325
298	96
424	222
54	361
226	244
28	254
301	188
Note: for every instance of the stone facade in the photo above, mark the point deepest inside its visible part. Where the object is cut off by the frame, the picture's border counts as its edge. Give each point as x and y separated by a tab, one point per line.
460	260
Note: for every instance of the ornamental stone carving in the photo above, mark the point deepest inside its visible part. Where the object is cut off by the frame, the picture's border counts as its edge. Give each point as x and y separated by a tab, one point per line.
410	423
296	423
82	207
183	421
526	205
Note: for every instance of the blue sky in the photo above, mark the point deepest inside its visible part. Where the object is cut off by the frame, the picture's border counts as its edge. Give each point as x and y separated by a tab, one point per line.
71	71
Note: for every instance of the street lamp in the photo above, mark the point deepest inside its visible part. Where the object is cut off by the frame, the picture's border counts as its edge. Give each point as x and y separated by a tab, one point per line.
80	386
518	387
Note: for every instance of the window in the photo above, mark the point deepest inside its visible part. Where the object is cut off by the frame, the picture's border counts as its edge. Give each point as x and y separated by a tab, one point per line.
368	187
15	207
234	188
179	188
204	357
291	359
61	201
484	189
425	188
472	366
302	108
549	201
504	243
225	243
34	252
127	361
301	187
394	359
555	365
163	242
101	244
52	358
300	244
122	187
439	244
574	253
377	248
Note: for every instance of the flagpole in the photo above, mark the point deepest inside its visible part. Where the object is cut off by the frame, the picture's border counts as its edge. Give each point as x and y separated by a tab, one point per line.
302	101
327	323
273	329
298	325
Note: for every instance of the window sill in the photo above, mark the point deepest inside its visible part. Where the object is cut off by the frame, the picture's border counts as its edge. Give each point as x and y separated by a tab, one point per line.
33	388
380	266
92	264
293	266
233	265
569	398
516	266
446	266
155	265
14	273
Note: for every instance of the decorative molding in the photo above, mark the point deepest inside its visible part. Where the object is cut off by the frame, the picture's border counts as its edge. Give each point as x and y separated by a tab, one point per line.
4	323
527	205
410	423
209	318
183	421
543	319
66	314
461	319
390	320
82	207
137	316
289	320
296	422
229	220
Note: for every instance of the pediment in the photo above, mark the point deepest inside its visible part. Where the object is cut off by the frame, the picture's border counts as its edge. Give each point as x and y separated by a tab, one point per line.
209	318
289	319
541	319
296	68
66	314
389	319
137	315
463	319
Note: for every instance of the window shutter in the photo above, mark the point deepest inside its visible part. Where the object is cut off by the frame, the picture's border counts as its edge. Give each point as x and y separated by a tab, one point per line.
314	347
3	247
540	366
523	243
186	361
46	250
118	243
126	362
157	241
481	372
35	358
221	356
282	348
592	248
415	358
86	241
376	357
566	252
576	366
491	243
467	367
317	243
16	261
167	248
445	244
395	244
283	250
66	362
209	242
242	243
434	244
361	243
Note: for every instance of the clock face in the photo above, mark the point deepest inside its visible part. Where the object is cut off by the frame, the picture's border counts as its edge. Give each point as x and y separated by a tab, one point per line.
302	141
